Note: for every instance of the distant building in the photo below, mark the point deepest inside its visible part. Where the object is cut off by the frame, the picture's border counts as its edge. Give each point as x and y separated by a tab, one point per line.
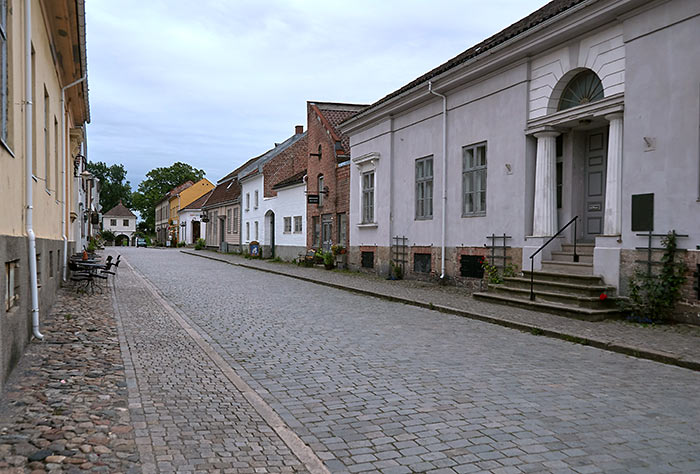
192	227
122	222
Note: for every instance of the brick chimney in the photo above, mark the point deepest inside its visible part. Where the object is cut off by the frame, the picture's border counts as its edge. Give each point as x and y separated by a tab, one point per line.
299	129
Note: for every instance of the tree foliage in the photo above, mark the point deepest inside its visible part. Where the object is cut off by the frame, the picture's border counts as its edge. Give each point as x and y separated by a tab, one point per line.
158	182
113	184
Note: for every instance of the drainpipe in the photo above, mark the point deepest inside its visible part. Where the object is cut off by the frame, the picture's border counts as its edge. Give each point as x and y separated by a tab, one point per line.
31	237
444	176
65	173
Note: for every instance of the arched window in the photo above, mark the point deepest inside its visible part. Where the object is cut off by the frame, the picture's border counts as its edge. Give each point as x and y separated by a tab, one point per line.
320	190
584	88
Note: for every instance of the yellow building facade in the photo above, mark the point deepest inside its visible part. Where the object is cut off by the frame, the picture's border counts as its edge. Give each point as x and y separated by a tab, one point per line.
41	134
183	198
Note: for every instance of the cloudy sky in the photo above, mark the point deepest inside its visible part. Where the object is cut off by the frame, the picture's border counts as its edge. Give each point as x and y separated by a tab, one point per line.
215	82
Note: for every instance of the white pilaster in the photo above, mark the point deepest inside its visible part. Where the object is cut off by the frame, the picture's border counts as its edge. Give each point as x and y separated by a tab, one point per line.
613	181
545	213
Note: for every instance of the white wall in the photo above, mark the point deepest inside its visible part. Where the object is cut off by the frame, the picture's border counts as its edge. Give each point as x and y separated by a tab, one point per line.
188	217
252	214
289	202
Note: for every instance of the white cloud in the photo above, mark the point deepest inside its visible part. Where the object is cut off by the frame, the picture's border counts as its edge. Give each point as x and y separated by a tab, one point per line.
215	82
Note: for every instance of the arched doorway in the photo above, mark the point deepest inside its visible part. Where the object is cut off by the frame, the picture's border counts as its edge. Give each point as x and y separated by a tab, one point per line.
269	236
196	232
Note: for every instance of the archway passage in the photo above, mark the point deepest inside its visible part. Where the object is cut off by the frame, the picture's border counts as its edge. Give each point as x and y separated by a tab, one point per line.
120	239
270	232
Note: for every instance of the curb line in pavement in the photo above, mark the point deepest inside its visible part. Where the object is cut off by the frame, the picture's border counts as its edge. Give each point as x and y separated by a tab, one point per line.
634	351
296	445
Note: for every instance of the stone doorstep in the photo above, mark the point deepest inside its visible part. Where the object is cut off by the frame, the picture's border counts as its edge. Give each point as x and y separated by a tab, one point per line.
639	352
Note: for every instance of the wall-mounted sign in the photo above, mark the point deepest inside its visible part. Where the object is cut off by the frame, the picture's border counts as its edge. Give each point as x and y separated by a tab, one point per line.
312	198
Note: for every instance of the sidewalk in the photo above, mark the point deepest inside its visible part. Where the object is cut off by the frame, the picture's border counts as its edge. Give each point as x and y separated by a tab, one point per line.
671	344
64	408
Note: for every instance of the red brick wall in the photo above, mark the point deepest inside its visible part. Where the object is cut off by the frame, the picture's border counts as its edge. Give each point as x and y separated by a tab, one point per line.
336	178
286	164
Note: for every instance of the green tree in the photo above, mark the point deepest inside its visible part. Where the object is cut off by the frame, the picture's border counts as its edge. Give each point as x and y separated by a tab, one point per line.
114	185
158	182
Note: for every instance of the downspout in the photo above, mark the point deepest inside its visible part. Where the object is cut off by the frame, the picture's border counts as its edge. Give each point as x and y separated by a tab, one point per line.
31	237
444	177
65	173
391	191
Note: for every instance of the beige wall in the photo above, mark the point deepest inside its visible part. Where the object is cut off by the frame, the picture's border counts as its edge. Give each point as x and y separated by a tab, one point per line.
47	195
194	192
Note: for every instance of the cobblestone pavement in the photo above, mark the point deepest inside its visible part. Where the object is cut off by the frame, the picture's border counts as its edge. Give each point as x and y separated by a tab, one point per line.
372	385
678	341
188	415
64	408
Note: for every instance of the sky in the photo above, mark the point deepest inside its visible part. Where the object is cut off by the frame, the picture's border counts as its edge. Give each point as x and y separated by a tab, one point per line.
213	83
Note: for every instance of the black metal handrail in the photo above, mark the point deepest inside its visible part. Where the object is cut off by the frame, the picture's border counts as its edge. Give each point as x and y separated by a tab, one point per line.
532	261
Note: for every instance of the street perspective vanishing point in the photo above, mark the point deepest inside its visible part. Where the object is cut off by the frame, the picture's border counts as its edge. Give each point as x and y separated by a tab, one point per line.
493	267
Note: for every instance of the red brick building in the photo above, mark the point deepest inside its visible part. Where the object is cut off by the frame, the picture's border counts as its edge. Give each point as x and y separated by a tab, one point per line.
328	174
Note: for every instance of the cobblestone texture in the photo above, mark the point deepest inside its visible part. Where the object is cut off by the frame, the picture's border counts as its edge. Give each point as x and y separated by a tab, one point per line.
64	408
678	340
187	415
372	385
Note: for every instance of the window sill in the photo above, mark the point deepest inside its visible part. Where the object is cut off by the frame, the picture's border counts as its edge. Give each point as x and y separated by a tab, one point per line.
424	218
478	214
368	225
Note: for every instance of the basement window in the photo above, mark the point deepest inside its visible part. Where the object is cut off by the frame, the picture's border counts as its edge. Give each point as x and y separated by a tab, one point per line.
421	262
11	284
470	266
367	259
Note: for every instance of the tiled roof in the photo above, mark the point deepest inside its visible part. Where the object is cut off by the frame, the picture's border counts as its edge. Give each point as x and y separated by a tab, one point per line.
176	190
224	192
197	203
333	114
120	210
297	178
253	166
545	13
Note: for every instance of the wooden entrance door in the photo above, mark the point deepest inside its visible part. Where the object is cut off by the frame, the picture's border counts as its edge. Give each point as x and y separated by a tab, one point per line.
594	192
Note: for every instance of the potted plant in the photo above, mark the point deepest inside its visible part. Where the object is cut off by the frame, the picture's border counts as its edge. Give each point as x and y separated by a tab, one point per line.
339	253
328	260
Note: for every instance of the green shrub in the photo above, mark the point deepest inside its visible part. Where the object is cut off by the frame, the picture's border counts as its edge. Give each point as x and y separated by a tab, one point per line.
652	297
108	235
200	244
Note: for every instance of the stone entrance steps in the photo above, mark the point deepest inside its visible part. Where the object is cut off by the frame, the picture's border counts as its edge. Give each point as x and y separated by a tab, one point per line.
565	294
563	261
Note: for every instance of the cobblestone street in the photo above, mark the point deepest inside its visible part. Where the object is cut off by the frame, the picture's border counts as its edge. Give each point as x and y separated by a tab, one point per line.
372	385
217	368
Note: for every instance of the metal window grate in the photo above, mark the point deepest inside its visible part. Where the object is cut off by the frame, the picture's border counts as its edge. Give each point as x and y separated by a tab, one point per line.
367	259
421	262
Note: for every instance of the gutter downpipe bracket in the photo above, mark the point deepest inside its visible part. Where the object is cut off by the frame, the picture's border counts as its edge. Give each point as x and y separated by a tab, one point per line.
444	177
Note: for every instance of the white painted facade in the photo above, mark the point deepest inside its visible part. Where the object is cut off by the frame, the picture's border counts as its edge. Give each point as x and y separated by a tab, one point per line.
120	225
646	129
189	217
290	202
253	210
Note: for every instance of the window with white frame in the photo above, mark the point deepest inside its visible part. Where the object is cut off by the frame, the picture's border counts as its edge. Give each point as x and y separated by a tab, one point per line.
474	180
287	224
47	142
228	220
4	63
256	198
235	220
297	224
247	230
424	188
247	201
257	234
11	284
368	197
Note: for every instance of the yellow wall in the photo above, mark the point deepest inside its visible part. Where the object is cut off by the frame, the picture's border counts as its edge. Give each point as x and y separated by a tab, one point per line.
194	192
47	195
